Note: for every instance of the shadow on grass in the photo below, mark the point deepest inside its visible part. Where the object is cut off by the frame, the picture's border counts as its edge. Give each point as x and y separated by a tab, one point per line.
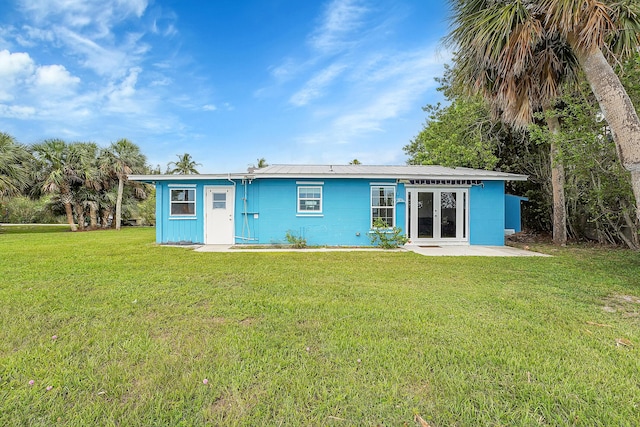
33	228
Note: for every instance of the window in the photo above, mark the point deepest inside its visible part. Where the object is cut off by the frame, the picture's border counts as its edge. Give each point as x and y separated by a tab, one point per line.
219	200
183	201
309	199
383	204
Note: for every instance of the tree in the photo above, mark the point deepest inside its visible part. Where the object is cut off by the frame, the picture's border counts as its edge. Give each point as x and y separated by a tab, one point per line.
184	166
122	158
55	172
518	53
462	134
13	175
262	163
513	80
600	203
86	189
599	198
69	171
355	162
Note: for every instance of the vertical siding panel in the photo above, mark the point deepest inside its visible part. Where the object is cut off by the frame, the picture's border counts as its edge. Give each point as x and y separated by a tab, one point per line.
160	214
486	214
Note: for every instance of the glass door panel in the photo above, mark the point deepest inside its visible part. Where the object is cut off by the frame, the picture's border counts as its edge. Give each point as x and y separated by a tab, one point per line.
437	214
425	215
448	214
409	215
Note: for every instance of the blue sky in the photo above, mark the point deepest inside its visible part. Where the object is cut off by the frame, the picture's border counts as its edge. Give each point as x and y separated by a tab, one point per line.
228	81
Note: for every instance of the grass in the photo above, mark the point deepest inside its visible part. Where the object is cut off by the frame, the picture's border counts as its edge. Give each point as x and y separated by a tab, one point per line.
33	228
305	338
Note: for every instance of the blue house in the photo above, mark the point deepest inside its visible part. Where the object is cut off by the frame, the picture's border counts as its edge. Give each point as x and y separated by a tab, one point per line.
332	205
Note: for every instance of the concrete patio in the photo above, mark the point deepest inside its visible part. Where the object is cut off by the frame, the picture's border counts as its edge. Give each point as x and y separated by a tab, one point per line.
453	250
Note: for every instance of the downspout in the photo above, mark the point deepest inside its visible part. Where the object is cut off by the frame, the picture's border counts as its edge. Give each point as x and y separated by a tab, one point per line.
245	221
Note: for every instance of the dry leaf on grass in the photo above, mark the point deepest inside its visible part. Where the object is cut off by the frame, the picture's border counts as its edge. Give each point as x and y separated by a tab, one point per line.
599	324
422	422
623	342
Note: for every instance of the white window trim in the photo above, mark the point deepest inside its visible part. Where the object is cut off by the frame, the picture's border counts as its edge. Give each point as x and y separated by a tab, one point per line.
371	207
310	183
195	203
308	213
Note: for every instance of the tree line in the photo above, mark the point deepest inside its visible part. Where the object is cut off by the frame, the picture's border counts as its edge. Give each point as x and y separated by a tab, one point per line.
87	183
520	55
523	97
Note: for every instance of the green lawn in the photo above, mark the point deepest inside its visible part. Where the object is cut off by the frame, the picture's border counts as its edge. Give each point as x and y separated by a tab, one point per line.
335	339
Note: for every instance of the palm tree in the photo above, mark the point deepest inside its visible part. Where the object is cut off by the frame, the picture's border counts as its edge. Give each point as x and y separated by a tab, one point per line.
89	183
262	163
184	166
56	172
13	175
519	53
122	158
355	162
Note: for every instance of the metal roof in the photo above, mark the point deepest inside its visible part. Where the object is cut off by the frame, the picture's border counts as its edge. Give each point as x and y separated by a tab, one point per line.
372	171
347	171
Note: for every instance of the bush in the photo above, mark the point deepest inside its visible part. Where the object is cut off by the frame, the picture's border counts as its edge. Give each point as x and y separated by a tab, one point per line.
23	210
147	209
297	242
387	237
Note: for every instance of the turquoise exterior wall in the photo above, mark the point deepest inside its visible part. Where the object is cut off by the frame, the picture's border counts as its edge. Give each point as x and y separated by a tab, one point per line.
512	206
181	229
344	221
266	209
486	214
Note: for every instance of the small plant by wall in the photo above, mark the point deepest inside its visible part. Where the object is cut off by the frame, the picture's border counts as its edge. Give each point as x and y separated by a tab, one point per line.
297	242
387	237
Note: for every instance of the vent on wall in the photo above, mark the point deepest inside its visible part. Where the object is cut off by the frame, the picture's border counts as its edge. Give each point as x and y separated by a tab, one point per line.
445	181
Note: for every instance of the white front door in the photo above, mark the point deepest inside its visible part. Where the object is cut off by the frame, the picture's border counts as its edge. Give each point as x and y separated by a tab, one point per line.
437	215
219	225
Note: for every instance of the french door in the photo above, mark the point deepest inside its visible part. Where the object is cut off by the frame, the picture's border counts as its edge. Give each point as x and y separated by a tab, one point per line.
437	215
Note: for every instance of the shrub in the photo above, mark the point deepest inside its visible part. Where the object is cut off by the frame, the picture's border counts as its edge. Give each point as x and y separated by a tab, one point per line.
297	242
23	210
387	237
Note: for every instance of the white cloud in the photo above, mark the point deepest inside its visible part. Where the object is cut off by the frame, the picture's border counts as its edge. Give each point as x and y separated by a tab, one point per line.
314	87
121	96
29	36
107	61
287	70
29	90
14	67
209	107
381	88
98	16
162	81
85	30
17	111
55	78
341	19
338	32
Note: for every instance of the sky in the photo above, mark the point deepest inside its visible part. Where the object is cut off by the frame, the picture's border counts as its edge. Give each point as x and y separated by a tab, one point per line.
227	81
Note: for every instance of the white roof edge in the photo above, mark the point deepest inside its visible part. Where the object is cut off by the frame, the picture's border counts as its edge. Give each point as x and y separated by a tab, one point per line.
503	176
192	177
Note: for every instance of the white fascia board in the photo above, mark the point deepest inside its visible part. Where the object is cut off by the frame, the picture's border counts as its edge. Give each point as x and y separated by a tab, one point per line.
505	177
193	177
